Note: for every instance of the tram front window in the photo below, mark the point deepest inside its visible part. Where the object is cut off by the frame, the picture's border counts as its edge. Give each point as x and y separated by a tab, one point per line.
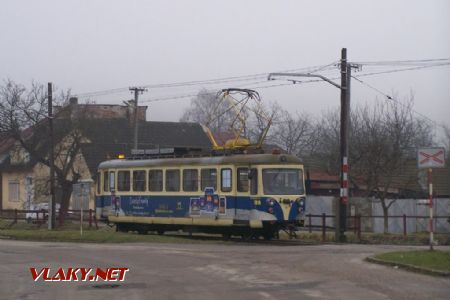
283	181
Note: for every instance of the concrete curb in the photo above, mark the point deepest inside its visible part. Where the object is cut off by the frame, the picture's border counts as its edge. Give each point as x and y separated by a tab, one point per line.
408	267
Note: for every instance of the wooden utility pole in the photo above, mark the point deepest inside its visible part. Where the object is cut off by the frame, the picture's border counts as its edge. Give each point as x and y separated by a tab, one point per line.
51	159
136	91
344	87
341	213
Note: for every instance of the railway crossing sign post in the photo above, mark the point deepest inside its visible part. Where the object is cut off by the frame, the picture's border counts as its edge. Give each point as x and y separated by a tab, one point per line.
81	193
429	158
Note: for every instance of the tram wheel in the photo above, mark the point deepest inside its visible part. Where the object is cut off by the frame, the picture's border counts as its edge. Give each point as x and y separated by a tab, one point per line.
160	232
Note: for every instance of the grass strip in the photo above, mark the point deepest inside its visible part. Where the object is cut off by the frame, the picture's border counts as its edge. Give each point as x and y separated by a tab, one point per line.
423	261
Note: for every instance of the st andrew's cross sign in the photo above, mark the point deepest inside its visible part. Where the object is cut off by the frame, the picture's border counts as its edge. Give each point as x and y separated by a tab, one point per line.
431	158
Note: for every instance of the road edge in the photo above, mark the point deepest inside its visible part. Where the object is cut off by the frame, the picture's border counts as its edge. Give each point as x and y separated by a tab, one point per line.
408	267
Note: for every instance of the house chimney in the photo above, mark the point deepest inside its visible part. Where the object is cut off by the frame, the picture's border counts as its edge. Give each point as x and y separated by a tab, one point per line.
73	100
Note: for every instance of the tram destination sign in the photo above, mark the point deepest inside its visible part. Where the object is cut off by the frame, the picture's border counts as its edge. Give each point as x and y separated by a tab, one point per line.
154	151
431	158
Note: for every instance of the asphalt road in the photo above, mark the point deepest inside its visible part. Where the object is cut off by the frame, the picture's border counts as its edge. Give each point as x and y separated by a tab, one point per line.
215	271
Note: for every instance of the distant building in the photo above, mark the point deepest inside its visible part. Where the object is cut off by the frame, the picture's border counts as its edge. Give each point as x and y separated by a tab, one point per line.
108	133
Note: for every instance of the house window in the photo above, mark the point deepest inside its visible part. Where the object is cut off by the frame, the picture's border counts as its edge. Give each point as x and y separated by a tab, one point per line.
242	177
155	180
209	178
123	181
13	191
139	181
190	180
225	184
172	180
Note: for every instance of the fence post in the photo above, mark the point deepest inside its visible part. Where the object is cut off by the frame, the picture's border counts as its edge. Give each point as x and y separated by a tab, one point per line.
404	225
309	221
324	229
61	218
15	216
90	217
95	221
43	216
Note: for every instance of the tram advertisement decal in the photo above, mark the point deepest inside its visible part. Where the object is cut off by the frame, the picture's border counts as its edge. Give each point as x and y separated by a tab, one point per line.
209	203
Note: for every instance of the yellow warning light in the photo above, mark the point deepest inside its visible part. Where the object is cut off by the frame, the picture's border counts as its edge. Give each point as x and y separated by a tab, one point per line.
121	156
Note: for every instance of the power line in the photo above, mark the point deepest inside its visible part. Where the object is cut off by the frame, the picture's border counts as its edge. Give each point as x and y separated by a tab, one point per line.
393	99
313	69
199	82
401	62
299	82
404	69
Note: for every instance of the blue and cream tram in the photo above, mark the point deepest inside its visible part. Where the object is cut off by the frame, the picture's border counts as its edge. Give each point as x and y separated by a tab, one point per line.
248	195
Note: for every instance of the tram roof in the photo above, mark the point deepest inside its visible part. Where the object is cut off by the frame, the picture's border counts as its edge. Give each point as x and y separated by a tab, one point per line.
214	160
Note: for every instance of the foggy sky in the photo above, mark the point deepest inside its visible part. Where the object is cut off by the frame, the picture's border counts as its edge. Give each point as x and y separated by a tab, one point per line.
98	45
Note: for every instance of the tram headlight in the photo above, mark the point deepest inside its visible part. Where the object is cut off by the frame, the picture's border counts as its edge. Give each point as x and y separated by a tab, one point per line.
301	204
271	202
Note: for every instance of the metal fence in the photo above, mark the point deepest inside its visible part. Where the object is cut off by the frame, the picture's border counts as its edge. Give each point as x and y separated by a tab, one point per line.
371	213
40	217
325	223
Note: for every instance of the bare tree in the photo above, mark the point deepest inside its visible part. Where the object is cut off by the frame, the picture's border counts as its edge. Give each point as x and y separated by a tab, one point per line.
383	141
23	115
294	133
326	141
446	139
213	110
209	109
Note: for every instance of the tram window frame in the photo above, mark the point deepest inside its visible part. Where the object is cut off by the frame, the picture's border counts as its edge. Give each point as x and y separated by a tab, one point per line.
253	176
160	184
99	182
123	184
142	187
190	183
223	188
242	185
112	181
205	182
177	187
106	181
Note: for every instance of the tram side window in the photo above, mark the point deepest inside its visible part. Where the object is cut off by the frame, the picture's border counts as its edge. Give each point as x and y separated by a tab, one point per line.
172	180
209	178
253	181
155	180
190	180
139	181
112	181
242	177
226	180
123	181
105	181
